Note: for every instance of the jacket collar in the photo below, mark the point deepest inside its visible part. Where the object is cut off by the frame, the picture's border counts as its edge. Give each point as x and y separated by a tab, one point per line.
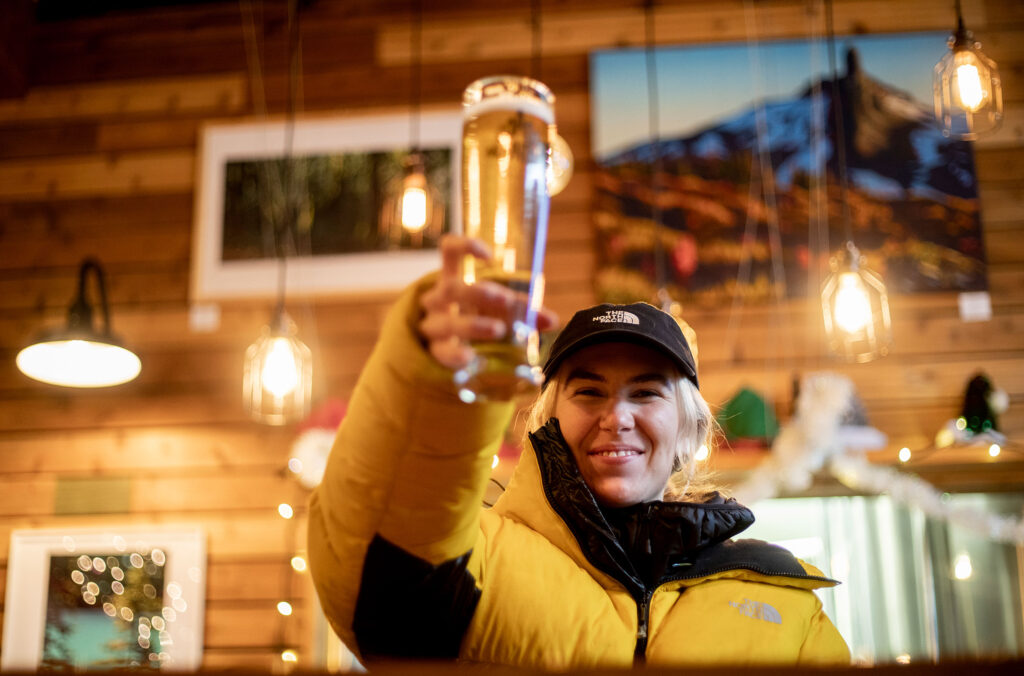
670	532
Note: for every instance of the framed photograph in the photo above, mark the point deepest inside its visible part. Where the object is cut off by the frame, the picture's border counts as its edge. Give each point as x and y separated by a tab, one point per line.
110	599
750	196
311	199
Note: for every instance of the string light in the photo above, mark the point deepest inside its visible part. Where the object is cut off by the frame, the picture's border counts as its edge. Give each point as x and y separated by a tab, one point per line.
994	450
702	453
298	564
289	656
285	510
284	608
904	454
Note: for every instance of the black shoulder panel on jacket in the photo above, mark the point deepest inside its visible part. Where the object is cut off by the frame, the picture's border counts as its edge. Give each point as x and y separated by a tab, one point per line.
410	608
756	555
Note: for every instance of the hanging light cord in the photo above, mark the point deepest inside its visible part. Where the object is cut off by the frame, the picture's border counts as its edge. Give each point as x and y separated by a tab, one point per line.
655	141
535	39
840	126
818	234
416	55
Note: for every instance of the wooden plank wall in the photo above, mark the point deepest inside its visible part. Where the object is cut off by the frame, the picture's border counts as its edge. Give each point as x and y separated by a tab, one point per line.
97	158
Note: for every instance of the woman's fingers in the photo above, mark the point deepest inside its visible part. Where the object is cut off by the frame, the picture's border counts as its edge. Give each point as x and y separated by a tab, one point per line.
455	248
456	314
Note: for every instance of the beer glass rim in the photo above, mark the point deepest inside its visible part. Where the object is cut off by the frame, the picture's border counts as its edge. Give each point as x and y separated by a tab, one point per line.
516	85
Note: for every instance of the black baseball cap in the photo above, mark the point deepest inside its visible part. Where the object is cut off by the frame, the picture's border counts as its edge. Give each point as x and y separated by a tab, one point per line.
639	323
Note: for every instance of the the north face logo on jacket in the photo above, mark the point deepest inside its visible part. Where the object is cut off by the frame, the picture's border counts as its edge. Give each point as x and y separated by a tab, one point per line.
757	610
617	317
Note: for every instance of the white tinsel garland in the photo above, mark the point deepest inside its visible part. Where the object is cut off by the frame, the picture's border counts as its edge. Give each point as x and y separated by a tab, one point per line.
815	440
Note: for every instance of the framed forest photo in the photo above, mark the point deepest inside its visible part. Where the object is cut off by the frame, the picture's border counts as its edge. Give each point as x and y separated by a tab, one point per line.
313	194
110	599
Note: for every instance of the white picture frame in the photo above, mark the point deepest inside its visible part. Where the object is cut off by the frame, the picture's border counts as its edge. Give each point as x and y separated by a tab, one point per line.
214	278
182	599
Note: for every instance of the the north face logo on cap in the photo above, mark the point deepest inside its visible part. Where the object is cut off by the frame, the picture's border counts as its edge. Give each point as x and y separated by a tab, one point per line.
617	317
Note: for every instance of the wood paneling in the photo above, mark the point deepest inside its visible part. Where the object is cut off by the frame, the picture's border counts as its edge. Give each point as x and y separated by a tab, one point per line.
98	156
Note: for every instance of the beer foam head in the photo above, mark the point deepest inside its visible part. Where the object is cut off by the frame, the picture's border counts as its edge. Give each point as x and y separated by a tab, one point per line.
511	102
509	93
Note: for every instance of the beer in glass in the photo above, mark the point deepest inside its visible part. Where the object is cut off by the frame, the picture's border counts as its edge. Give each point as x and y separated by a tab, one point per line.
507	123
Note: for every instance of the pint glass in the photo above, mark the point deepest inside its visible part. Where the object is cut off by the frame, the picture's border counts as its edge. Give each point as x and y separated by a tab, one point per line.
507	121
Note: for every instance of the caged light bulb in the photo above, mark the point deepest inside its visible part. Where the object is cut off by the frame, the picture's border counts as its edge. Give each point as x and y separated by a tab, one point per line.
280	372
414	203
853	309
968	82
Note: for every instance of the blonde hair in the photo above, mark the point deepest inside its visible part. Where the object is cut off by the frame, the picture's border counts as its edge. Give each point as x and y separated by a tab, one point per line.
697	427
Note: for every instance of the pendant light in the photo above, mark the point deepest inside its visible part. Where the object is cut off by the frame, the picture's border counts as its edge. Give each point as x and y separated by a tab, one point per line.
278	375
560	159
965	84
854	300
78	355
413	209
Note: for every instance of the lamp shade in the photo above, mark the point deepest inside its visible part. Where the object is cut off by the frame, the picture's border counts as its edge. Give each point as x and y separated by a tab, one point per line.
79	355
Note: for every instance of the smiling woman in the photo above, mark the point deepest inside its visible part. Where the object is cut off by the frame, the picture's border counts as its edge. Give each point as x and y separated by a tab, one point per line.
603	512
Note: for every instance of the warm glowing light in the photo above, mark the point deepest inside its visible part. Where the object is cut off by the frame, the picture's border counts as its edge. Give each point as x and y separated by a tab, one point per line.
285	510
289	656
298	564
414	208
560	165
969	87
284	608
904	454
994	450
295	465
903	659
277	384
853	309
962	568
966	88
79	363
961	424
702	453
494	461
280	372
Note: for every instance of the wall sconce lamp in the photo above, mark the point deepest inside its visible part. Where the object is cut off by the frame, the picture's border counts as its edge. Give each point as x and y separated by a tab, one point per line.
78	355
966	87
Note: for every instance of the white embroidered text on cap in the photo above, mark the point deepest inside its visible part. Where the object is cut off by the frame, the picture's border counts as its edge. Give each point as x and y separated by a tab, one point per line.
617	317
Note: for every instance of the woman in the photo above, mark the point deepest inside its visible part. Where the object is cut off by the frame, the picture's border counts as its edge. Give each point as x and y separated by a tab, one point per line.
605	549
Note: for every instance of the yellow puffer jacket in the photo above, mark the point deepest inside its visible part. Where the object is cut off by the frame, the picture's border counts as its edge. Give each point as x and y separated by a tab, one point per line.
406	563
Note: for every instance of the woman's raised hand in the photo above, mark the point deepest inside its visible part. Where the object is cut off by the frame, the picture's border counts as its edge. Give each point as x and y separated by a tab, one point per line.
456	313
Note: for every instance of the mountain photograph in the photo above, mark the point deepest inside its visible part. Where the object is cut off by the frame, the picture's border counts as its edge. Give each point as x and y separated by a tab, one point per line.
750	195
